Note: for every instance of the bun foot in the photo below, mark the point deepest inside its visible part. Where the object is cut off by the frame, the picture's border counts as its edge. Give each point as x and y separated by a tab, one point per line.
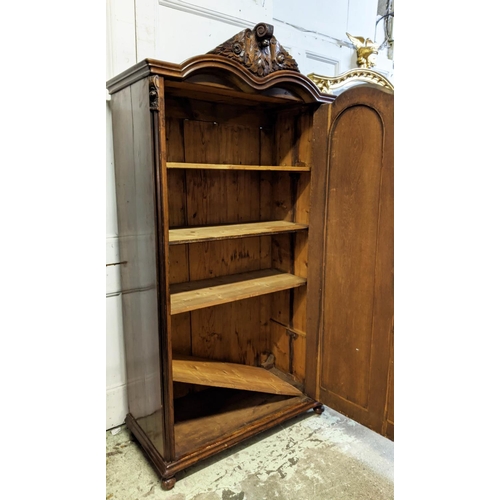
319	409
168	484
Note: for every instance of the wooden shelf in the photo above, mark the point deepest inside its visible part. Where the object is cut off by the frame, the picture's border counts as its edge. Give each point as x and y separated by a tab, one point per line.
230	375
212	292
208	233
219	417
222	166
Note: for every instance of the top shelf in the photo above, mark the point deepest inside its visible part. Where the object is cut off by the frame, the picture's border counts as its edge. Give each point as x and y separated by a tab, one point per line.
223	166
229	231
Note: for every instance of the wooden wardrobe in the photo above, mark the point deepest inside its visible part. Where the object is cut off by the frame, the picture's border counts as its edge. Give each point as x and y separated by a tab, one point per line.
255	221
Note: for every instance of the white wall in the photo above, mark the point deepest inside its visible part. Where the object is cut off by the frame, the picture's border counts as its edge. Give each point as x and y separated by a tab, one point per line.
313	31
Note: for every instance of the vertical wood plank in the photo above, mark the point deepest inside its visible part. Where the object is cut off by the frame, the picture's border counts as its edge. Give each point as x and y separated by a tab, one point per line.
280	344
176	178
159	141
299	358
267	157
304	134
388	429
321	119
229	332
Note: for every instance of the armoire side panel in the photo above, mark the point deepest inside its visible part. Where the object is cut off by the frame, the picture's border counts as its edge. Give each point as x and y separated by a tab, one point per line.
135	194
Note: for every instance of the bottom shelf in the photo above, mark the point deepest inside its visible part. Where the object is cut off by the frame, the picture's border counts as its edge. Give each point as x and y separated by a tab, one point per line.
230	375
217	416
215	419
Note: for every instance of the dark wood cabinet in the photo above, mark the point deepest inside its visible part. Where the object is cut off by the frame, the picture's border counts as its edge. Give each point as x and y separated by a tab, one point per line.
236	236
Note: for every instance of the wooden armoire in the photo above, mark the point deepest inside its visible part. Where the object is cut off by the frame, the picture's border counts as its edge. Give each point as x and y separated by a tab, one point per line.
255	219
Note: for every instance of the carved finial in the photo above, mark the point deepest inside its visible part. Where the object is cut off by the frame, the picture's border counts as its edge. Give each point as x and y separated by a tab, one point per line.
257	50
366	51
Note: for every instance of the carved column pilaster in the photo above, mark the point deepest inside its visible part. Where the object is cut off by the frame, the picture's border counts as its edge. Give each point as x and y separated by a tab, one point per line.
154	93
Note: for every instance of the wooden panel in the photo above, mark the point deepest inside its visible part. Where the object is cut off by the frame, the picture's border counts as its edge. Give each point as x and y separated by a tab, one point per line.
135	196
302	199
356	257
351	243
193	109
282	249
179	264
212	259
304	135
300	266
227	96
230	375
291	196
205	293
389	424
299	309
178	268
285	139
280	341
207	233
321	120
299	358
230	332
181	334
211	416
224	197
221	196
220	166
177	209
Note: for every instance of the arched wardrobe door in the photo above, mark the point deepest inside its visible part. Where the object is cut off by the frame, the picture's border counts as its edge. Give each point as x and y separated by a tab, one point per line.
350	319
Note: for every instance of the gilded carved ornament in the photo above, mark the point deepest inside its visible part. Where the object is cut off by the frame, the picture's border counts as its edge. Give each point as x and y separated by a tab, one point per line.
329	84
366	51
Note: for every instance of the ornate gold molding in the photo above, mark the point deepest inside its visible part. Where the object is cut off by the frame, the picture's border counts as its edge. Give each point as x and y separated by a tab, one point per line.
329	84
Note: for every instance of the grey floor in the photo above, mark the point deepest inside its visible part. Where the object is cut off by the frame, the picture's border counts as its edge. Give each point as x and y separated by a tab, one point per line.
320	457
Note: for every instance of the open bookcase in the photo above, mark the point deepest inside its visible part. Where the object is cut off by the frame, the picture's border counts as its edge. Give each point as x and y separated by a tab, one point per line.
213	161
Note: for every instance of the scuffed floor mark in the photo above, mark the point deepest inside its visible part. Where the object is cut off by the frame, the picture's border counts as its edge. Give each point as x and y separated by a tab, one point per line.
327	477
150	492
231	495
320	457
112	453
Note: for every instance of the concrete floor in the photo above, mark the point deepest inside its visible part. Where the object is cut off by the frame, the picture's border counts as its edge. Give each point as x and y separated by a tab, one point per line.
320	457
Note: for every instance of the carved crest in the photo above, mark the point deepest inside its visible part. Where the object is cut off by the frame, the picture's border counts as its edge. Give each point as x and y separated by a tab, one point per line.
257	50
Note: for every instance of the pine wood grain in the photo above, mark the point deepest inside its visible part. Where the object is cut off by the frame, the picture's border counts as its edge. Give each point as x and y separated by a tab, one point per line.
221	166
228	332
205	293
218	415
231	376
207	233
